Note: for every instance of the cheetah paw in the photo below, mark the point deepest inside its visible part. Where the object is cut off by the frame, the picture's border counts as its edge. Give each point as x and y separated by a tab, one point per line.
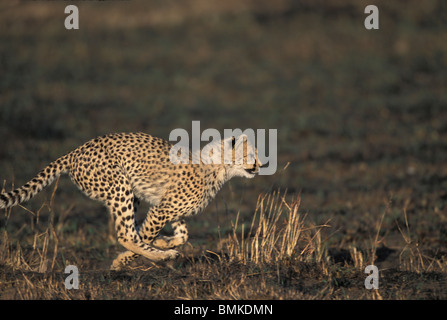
170	254
167	242
116	265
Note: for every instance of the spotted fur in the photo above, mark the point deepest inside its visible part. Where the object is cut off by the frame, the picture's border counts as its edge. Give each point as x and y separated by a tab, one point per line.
121	169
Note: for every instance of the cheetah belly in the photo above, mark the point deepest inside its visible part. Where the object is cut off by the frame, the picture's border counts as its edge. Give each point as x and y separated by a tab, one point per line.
149	192
151	189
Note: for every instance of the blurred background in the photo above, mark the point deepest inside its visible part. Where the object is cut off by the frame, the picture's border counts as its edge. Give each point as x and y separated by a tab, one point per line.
361	114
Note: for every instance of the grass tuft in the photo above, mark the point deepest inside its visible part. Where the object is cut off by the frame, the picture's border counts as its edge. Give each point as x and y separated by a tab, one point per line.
278	232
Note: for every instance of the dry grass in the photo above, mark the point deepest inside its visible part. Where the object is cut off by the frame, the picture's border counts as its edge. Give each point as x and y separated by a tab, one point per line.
278	232
411	257
36	260
277	252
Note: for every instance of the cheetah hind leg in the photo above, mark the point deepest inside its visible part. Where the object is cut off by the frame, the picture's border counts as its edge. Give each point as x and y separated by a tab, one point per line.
123	259
179	238
124	217
126	257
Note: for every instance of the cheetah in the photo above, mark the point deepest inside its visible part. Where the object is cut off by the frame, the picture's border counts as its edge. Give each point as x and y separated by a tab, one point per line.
122	169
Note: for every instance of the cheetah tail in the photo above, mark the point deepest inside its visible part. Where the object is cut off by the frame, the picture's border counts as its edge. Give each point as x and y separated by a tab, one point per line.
44	178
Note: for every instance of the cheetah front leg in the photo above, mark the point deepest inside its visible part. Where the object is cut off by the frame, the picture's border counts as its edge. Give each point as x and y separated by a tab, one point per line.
179	238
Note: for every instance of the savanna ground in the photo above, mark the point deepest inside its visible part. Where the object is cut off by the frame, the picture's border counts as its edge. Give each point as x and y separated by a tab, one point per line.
362	144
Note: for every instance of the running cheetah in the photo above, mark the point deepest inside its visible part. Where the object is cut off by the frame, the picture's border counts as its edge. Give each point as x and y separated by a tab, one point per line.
123	168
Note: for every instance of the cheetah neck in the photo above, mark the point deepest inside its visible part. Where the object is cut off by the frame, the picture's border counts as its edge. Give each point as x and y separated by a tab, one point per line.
218	179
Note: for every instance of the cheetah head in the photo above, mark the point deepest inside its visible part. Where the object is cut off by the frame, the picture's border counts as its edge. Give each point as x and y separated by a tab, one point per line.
237	154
